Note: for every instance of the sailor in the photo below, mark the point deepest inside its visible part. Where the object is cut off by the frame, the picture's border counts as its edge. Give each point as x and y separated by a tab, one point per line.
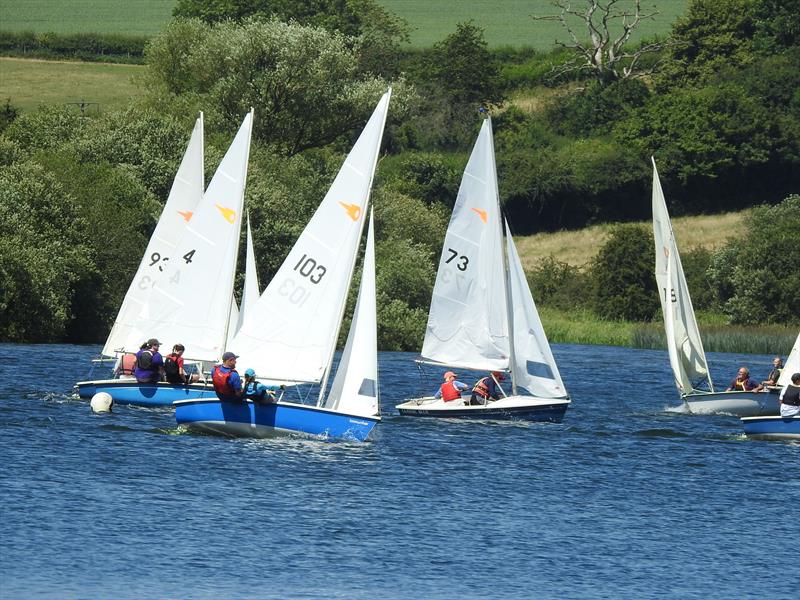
451	389
257	391
149	363
227	383
790	398
774	375
486	388
743	382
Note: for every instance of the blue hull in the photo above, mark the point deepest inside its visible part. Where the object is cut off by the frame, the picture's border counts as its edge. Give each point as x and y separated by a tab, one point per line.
772	428
248	419
553	413
128	391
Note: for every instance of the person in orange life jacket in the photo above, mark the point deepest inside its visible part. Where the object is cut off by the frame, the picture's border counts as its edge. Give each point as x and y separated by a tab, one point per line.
743	383
173	366
451	389
227	383
149	363
486	388
790	398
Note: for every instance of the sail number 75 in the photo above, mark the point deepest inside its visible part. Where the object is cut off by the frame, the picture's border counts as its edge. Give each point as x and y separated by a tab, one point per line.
462	261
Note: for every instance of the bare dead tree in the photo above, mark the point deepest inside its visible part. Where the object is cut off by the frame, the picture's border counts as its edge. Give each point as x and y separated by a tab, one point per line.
603	55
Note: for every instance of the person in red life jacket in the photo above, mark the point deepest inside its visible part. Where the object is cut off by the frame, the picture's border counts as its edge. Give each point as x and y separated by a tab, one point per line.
149	363
486	388
227	382
743	383
451	389
173	366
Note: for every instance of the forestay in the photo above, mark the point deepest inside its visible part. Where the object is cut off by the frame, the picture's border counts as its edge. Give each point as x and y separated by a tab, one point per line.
191	302
290	335
685	347
533	368
355	387
127	333
467	322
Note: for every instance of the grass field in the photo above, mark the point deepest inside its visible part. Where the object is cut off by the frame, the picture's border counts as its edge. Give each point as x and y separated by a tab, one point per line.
28	83
505	22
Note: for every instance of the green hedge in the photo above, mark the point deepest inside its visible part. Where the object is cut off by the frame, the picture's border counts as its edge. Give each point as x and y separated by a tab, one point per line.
97	47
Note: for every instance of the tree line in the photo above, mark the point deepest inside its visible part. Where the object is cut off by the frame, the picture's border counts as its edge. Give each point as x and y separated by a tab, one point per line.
719	108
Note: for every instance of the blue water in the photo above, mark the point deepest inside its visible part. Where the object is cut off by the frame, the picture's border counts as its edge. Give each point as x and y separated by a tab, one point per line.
621	500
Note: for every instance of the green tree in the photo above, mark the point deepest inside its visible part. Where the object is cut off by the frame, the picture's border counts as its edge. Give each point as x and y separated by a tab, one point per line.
754	273
624	283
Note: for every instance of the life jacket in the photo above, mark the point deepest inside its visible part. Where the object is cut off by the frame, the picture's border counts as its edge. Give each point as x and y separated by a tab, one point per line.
449	391
741	385
127	364
222	381
792	395
171	367
145	361
482	388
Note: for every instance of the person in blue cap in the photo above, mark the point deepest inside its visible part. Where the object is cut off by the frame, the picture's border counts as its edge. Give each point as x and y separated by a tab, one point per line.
227	382
257	391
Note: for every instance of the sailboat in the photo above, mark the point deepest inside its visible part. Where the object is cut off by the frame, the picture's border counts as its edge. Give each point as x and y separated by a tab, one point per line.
684	345
183	291
482	314
290	335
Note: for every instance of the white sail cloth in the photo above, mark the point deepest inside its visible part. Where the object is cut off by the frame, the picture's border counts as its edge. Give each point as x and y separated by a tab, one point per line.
355	388
467	323
127	334
191	302
685	347
290	334
792	364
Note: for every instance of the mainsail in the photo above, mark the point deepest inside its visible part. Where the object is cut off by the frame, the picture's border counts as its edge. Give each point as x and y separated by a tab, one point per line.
290	334
187	190
467	322
685	347
792	364
191	302
355	387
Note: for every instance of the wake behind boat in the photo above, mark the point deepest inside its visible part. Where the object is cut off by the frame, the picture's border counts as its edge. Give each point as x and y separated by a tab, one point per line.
482	314
684	344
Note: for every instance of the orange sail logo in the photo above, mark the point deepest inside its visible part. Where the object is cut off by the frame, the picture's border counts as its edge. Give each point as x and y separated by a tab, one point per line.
353	210
482	214
186	214
228	213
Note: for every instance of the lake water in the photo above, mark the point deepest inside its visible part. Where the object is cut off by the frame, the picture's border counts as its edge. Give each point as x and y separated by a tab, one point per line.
621	500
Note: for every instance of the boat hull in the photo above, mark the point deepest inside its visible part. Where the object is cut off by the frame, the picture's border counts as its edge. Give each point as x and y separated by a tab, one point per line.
739	404
260	420
129	391
772	428
522	408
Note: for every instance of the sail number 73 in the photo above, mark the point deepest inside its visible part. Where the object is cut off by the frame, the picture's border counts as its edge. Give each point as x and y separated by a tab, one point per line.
461	261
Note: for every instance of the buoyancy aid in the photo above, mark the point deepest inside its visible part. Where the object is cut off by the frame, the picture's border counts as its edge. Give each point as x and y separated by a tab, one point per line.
792	395
144	361
450	392
221	381
127	364
482	388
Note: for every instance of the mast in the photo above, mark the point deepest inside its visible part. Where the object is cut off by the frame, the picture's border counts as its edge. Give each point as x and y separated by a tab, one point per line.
324	382
506	280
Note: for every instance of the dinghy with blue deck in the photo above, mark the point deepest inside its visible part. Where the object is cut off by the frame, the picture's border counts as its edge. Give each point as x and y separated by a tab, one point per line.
772	428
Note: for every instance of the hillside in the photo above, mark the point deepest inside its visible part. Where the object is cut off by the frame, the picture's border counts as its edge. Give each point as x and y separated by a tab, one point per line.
505	22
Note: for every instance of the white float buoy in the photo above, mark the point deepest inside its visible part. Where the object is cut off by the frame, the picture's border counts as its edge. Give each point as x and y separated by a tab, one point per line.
101	402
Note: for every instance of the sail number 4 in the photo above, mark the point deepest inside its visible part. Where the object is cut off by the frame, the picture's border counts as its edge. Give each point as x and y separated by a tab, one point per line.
462	263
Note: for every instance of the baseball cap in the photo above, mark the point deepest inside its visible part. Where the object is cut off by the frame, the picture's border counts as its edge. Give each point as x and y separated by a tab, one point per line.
153	342
449	374
250	373
228	356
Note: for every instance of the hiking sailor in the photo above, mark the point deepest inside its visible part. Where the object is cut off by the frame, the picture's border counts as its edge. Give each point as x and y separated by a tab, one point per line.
149	363
227	383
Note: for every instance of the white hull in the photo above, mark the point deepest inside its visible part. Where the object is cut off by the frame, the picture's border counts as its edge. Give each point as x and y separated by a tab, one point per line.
739	404
510	407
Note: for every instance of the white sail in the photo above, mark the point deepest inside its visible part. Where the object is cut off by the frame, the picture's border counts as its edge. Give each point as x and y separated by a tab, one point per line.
250	293
233	322
534	367
191	302
290	335
687	357
355	387
792	364
184	196
467	322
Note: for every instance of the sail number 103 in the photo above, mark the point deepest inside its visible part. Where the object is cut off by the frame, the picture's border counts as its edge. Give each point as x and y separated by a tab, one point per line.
308	267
